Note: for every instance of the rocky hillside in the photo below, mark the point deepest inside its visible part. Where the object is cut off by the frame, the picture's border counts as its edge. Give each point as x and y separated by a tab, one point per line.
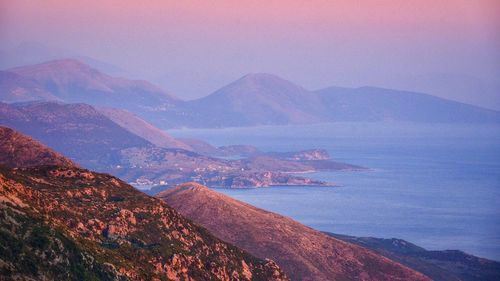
21	151
68	223
304	253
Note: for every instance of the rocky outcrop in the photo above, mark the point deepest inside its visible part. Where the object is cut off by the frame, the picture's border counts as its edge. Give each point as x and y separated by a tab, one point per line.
140	237
304	253
70	223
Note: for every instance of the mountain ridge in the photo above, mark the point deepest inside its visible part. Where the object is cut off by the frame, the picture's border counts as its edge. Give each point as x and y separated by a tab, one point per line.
304	253
73	81
70	223
254	99
19	150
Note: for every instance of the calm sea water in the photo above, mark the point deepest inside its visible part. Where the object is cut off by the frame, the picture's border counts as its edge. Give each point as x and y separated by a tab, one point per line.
437	186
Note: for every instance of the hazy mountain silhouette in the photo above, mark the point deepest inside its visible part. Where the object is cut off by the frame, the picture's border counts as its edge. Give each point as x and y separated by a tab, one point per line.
72	81
255	99
378	104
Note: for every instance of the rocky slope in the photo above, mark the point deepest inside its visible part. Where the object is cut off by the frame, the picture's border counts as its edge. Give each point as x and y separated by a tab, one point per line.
448	265
73	224
304	253
21	151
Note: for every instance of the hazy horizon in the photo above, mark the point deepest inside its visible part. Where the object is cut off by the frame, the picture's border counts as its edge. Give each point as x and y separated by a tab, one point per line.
192	48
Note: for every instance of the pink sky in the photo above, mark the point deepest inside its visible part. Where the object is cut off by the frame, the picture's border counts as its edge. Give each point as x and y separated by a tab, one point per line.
194	47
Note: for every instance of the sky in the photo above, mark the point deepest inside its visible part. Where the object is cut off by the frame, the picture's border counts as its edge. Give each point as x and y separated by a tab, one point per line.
448	48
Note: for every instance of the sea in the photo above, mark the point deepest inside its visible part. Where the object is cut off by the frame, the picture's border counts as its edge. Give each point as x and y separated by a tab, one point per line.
437	186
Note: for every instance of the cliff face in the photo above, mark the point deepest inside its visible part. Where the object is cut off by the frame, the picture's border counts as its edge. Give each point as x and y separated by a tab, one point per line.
304	253
73	224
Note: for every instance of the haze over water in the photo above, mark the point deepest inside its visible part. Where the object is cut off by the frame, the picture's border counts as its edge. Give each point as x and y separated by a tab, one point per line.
434	185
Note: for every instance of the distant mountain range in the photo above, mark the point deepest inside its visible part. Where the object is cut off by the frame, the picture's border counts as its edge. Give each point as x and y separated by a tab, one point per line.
255	99
71	81
121	143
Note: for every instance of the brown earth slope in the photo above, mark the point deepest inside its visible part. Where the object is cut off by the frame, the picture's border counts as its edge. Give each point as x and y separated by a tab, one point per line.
304	253
67	223
18	150
140	127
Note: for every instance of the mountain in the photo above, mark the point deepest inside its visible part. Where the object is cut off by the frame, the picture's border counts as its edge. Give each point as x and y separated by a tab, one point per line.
93	140
16	88
74	82
67	223
255	99
378	104
21	151
302	252
252	100
448	265
265	99
140	127
77	130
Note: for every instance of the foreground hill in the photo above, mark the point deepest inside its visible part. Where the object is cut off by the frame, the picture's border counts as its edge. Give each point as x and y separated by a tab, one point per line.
449	265
19	150
304	253
73	224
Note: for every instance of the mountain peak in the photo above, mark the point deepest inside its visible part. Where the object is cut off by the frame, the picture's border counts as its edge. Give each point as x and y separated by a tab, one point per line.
261	76
60	65
304	253
266	80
